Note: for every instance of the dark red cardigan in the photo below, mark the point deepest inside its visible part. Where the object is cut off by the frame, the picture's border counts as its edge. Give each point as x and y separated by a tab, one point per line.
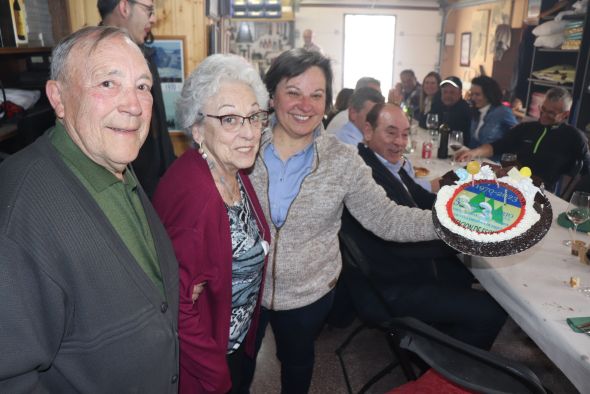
196	220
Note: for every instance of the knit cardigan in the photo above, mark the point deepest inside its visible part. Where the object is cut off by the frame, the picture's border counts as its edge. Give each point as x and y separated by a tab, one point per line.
305	260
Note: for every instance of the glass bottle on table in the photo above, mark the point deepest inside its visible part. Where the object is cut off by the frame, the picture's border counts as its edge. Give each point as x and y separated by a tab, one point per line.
443	147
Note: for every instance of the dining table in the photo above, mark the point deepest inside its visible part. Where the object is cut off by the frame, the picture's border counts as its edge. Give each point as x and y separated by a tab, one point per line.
534	286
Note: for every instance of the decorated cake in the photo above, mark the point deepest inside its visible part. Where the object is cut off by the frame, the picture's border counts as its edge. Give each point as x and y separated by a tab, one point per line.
491	213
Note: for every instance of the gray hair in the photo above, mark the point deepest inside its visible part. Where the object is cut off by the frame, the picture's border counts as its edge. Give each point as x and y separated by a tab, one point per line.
362	95
559	94
88	36
366	82
205	81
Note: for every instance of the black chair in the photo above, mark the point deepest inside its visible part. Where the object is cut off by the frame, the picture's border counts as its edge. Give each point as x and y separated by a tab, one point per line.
371	308
416	345
465	365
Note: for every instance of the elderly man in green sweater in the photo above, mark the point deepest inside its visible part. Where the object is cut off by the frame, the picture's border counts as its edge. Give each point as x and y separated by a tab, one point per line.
89	283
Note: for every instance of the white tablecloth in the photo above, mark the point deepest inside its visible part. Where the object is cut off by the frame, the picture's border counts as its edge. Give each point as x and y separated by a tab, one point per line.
533	286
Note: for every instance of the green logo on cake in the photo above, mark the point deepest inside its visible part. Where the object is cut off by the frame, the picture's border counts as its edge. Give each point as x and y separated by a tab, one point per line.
486	206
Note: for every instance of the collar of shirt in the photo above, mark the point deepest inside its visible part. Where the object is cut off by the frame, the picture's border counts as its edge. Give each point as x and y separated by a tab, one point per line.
395	167
482	114
96	175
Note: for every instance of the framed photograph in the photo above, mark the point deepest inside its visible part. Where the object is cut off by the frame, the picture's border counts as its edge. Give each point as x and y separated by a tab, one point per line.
465	49
170	60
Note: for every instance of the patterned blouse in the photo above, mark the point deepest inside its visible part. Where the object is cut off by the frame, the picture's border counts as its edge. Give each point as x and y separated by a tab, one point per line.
247	264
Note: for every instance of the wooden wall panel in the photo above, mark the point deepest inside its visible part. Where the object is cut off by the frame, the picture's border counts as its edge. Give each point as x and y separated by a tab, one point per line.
175	17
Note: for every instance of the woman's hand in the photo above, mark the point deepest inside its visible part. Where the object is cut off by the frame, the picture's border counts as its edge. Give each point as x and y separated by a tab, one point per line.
197	290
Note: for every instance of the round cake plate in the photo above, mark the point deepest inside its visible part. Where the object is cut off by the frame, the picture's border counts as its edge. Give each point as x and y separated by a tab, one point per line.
502	248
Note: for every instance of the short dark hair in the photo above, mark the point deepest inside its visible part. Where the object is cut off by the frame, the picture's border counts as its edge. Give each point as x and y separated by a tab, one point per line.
373	114
362	95
343	99
408	72
490	88
105	7
295	62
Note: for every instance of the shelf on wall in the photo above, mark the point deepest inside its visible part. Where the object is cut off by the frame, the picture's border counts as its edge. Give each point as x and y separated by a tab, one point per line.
23	50
550	84
558	50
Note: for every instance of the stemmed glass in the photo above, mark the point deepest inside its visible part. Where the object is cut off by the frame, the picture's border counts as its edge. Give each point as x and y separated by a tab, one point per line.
578	210
432	125
455	143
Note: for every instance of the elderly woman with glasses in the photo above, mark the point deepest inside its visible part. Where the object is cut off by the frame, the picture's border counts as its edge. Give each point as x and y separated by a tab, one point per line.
216	224
307	178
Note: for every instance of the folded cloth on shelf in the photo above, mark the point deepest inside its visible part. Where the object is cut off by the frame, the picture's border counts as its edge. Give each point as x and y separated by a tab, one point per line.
562	74
549	28
22	98
578	324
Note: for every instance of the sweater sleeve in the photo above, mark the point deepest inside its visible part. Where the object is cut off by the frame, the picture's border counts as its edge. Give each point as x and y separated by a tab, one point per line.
369	204
33	318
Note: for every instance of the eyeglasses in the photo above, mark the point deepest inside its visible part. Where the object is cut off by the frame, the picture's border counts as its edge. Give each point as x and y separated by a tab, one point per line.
232	122
549	113
150	9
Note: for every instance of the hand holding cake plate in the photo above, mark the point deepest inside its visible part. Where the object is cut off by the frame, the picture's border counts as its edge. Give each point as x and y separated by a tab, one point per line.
483	215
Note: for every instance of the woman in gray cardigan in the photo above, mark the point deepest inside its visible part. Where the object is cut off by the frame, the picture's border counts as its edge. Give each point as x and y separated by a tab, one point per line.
303	179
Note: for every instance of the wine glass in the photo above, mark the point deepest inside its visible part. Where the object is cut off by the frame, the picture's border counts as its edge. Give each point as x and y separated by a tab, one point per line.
432	122
455	143
578	210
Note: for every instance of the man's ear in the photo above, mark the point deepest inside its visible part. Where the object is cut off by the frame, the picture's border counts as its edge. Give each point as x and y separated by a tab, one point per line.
564	116
352	114
124	8
367	132
55	94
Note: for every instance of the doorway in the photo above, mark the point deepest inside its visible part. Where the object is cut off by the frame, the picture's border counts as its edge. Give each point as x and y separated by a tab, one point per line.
369	43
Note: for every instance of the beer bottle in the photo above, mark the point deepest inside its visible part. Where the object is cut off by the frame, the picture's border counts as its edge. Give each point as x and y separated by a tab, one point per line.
443	147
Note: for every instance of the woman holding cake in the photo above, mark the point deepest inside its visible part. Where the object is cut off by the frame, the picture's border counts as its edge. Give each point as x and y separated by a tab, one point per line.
304	179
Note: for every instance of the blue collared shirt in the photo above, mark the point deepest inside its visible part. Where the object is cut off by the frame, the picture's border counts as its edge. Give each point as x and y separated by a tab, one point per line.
349	134
394	169
284	179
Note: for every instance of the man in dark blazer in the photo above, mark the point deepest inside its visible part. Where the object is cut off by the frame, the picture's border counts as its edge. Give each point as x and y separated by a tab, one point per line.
422	279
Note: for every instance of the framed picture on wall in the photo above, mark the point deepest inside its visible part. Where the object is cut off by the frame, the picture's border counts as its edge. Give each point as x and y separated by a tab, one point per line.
465	49
170	59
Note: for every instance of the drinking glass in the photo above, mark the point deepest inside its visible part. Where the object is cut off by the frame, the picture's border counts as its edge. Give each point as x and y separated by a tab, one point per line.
578	211
455	143
432	122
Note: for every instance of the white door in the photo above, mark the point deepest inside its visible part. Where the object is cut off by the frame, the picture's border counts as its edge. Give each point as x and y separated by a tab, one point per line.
368	49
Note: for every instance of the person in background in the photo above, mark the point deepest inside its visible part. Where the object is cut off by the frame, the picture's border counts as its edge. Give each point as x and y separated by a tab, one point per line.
341	117
308	43
453	109
362	101
220	236
424	280
429	97
304	179
549	146
341	104
89	279
407	92
492	119
157	153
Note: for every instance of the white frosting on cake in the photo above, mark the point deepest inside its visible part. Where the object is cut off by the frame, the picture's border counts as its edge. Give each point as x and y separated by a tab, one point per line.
524	185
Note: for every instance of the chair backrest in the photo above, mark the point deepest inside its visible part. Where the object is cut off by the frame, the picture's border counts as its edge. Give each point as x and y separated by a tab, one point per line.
463	364
371	304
